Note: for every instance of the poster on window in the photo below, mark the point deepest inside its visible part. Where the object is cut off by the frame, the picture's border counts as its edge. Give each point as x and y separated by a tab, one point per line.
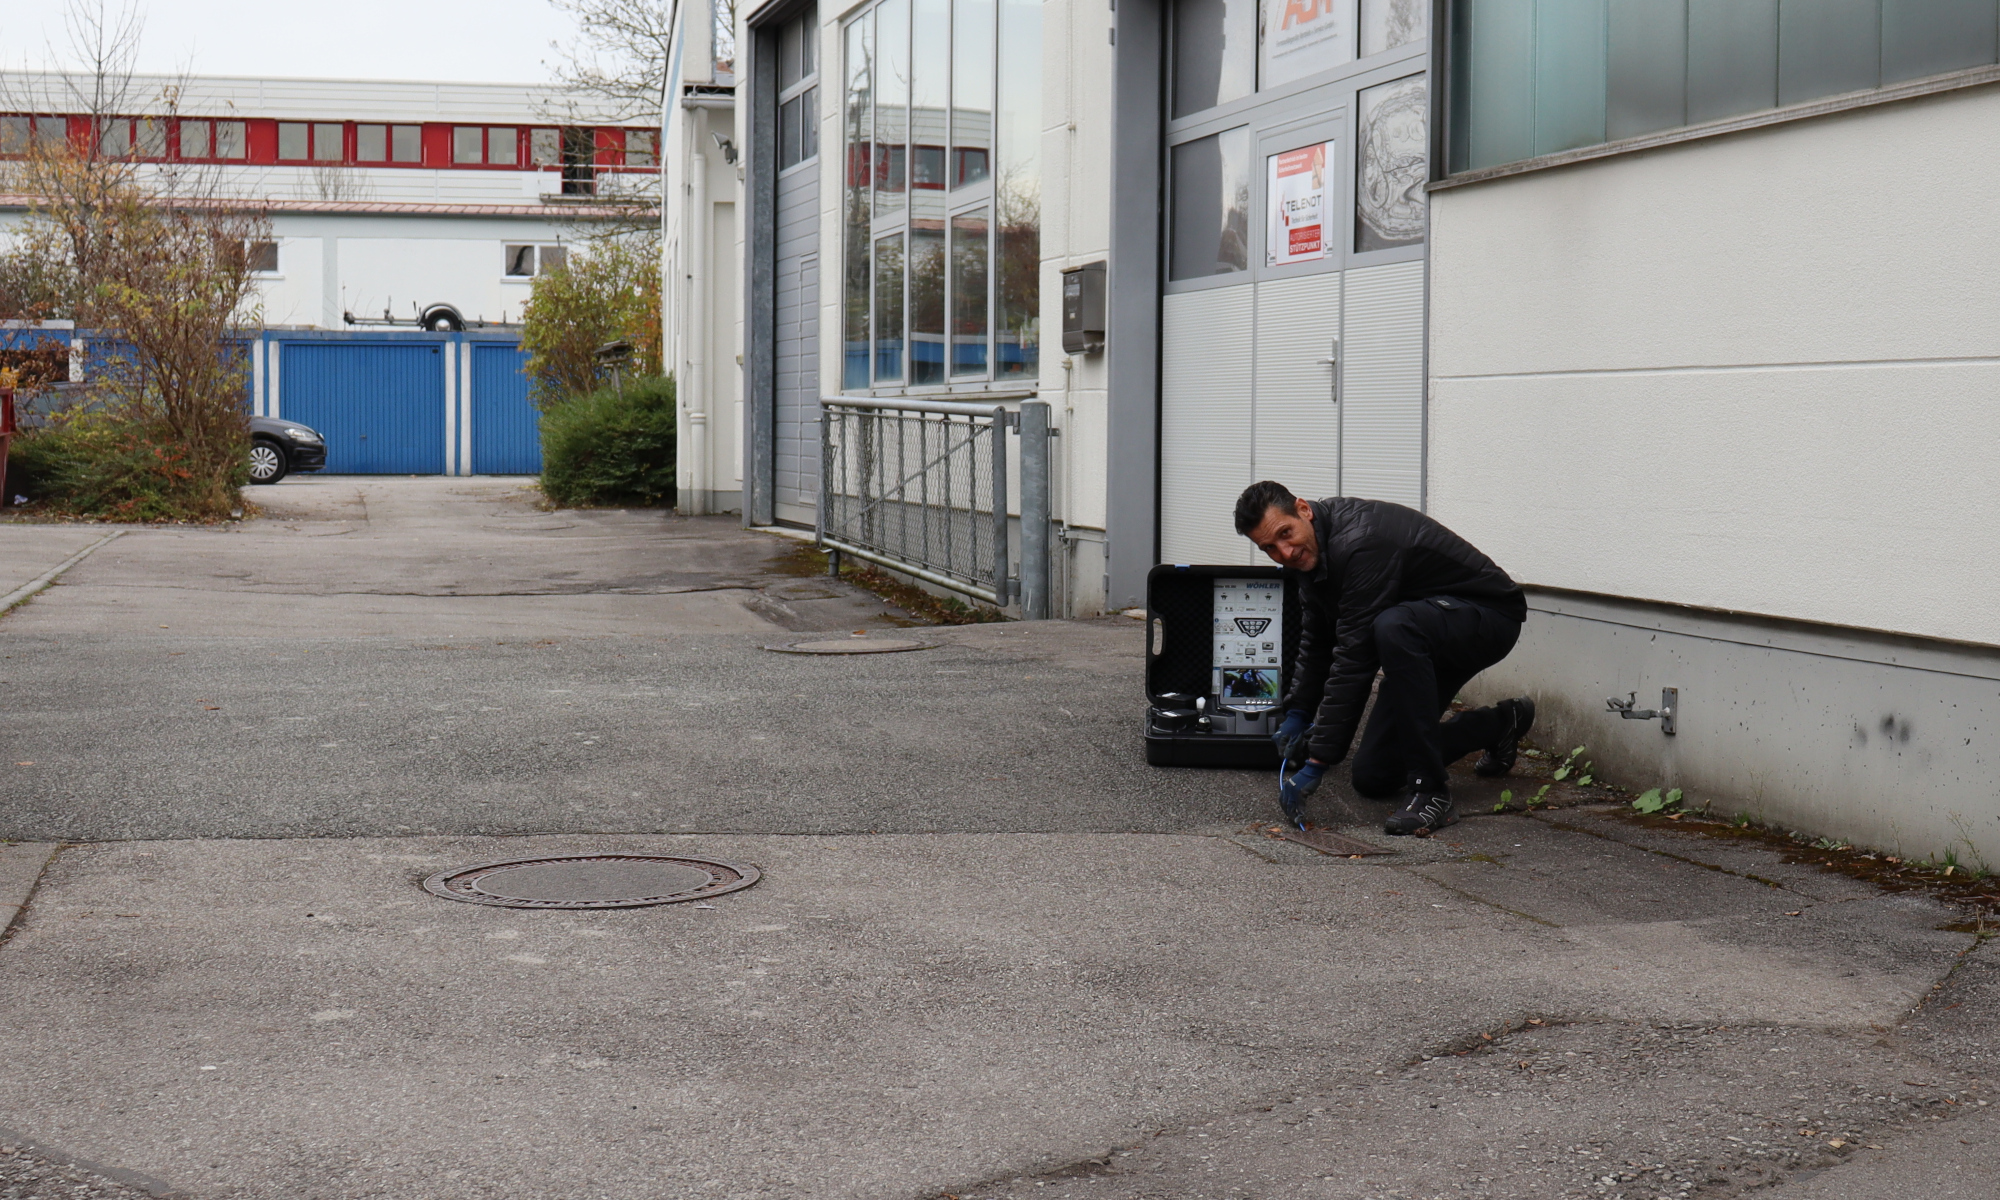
1390	206
1304	37
1299	205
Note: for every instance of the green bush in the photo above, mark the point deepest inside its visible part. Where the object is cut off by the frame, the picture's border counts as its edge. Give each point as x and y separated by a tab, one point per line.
611	446
101	465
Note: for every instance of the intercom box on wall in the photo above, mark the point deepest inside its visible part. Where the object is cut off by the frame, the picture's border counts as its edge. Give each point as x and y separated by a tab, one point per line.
1083	308
1219	647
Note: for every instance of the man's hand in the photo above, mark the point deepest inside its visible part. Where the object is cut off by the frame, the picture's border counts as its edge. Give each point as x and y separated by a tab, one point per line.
1291	736
1293	790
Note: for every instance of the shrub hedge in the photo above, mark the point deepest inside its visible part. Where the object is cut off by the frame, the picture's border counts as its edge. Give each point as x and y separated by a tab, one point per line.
611	446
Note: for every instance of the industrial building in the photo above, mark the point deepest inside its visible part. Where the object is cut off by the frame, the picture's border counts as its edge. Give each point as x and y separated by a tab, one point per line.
397	198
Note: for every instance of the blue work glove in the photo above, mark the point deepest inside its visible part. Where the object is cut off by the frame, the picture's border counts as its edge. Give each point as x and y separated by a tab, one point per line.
1293	790
1291	736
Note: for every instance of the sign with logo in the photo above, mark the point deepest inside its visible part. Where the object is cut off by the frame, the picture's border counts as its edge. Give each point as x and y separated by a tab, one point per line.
1298	215
1304	37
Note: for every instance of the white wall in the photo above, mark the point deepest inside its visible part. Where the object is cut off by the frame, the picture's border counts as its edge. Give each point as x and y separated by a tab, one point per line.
1754	373
328	264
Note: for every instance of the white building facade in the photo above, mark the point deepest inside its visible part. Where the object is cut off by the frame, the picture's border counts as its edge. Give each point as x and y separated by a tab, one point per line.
1712	365
402	198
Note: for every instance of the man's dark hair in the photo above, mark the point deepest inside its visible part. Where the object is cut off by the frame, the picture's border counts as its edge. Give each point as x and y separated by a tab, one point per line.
1258	500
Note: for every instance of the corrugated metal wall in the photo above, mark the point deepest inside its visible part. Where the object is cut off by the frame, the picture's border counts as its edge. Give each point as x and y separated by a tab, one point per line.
506	429
403	403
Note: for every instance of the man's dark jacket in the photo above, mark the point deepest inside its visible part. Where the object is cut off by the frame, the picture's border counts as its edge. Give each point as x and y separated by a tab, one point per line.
1374	555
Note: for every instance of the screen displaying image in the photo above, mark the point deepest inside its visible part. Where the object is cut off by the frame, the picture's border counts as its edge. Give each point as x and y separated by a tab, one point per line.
1250	683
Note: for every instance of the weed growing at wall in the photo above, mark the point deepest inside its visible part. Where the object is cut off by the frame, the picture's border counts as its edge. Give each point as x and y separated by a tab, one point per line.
611	446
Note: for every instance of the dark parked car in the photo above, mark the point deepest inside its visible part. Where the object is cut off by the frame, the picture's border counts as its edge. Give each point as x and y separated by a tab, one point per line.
277	448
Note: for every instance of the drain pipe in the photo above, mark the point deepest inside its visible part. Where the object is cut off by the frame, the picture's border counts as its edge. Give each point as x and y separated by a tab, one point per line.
696	243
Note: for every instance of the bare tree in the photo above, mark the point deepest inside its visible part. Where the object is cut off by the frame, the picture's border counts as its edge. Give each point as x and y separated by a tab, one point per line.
619	59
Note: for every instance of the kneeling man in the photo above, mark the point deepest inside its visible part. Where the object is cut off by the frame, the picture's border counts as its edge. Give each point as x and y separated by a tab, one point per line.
1384	586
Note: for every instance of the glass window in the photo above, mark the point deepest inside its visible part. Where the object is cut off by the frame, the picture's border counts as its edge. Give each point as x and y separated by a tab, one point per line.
230	140
968	293
942	95
795	48
971	91
545	147
798	128
927	287
262	257
149	136
1534	77
468	144
520	261
371	143
1387	24
292	141
406	143
197	139
1931	37
114	138
14	134
327	145
1304	37
1393	164
1215	53
889	309
892	100
503	147
554	258
859	130
1210	218
1017	194
639	145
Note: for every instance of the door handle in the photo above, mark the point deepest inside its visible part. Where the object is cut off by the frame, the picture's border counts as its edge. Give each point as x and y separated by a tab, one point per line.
1333	360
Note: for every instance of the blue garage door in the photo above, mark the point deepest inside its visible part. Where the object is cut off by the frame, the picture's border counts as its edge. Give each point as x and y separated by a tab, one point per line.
380	406
506	429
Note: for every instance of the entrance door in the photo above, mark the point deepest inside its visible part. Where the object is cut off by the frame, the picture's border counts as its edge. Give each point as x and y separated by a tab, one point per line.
1292	320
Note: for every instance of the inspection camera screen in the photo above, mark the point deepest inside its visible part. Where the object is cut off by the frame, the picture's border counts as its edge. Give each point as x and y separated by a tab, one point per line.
1250	683
1249	640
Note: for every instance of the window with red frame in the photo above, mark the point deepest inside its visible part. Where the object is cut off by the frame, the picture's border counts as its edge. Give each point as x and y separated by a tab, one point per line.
18	133
319	141
389	143
212	140
132	137
479	145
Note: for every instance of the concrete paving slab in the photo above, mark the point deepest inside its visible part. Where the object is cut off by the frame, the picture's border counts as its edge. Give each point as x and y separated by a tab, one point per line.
880	1016
35	551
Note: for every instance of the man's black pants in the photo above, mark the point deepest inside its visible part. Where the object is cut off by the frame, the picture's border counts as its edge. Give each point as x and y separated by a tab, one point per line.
1428	650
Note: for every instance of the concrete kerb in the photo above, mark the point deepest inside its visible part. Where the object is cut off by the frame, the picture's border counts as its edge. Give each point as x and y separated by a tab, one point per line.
28	589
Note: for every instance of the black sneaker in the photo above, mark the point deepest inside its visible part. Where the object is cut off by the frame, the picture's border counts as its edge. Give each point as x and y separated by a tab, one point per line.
1425	814
1499	757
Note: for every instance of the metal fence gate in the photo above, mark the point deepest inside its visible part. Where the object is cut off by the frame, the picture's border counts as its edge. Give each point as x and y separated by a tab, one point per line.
922	488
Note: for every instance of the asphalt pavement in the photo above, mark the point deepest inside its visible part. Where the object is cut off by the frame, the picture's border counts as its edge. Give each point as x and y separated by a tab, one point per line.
992	954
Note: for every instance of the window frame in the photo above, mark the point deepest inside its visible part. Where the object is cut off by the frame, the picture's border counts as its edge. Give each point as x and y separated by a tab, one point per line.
1327	100
959	202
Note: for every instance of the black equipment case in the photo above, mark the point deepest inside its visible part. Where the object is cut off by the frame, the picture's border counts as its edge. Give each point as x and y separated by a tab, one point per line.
1220	642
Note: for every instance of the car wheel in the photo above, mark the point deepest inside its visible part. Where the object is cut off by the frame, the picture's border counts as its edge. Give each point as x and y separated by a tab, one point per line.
267	462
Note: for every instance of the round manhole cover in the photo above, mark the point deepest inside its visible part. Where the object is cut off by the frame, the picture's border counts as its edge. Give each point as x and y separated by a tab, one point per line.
848	643
591	881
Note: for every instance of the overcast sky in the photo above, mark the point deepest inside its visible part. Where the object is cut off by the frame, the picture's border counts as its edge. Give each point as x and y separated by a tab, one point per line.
501	41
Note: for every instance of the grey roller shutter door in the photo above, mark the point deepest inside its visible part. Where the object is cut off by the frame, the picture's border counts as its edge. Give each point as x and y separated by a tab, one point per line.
795	441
